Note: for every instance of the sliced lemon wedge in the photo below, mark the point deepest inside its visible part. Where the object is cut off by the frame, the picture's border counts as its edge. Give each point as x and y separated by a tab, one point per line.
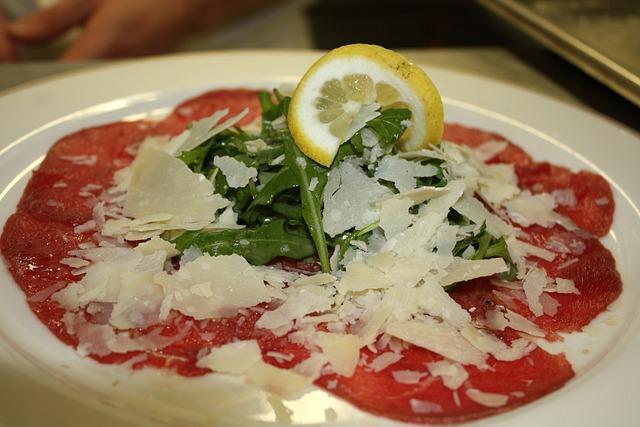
348	86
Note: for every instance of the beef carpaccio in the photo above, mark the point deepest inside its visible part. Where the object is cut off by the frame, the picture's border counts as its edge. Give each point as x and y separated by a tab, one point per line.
57	201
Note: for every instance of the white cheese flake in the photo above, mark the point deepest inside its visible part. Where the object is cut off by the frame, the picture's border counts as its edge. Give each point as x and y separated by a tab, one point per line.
491	400
566	286
533	284
205	129
342	351
237	173
221	275
394	216
489	343
348	197
453	374
300	301
234	358
476	212
461	270
527	209
438	337
424	407
408	377
284	383
384	360
403	173
162	184
488	150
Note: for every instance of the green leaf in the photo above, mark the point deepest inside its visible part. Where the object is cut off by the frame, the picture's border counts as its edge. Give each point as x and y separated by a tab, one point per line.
270	112
389	125
471	240
285	179
194	159
305	170
345	239
498	248
483	243
266	155
258	245
486	246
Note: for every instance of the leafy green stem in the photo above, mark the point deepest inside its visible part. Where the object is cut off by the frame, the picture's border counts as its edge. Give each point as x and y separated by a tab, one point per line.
305	171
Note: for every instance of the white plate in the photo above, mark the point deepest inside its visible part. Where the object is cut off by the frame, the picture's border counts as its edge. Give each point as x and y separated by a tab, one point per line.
44	381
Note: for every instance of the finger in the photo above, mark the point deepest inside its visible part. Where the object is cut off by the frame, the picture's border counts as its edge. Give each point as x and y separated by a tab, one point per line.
120	28
7	51
52	21
97	38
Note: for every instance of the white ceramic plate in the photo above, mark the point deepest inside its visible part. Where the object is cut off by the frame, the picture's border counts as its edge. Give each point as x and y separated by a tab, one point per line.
44	381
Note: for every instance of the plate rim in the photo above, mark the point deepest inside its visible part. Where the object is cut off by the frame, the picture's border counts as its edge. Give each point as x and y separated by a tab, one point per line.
62	78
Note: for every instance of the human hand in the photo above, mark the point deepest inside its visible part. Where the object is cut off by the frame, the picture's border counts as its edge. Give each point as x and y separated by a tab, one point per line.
117	28
7	52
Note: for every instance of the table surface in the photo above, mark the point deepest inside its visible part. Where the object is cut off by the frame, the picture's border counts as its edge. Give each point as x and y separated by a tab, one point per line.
496	63
491	62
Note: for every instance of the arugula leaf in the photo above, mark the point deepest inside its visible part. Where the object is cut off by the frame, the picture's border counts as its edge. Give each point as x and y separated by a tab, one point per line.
483	242
438	180
498	248
289	210
486	246
266	155
389	125
283	180
258	245
345	239
471	240
305	170
194	159
272	111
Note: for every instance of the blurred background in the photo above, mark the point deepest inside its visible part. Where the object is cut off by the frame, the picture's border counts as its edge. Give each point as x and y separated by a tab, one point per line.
583	51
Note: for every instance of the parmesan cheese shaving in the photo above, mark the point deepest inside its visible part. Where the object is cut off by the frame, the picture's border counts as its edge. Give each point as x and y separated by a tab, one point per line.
408	377
403	173
237	173
476	212
233	358
439	338
207	128
491	400
208	287
300	301
348	197
384	360
462	269
424	407
163	184
489	343
533	284
566	286
490	149
453	375
284	383
527	209
342	351
394	216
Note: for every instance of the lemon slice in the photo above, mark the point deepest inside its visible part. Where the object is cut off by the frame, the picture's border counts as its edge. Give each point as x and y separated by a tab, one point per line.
346	87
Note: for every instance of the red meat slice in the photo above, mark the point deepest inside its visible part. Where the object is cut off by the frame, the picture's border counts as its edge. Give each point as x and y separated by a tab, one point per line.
473	137
591	266
208	103
595	205
523	380
593	211
593	272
